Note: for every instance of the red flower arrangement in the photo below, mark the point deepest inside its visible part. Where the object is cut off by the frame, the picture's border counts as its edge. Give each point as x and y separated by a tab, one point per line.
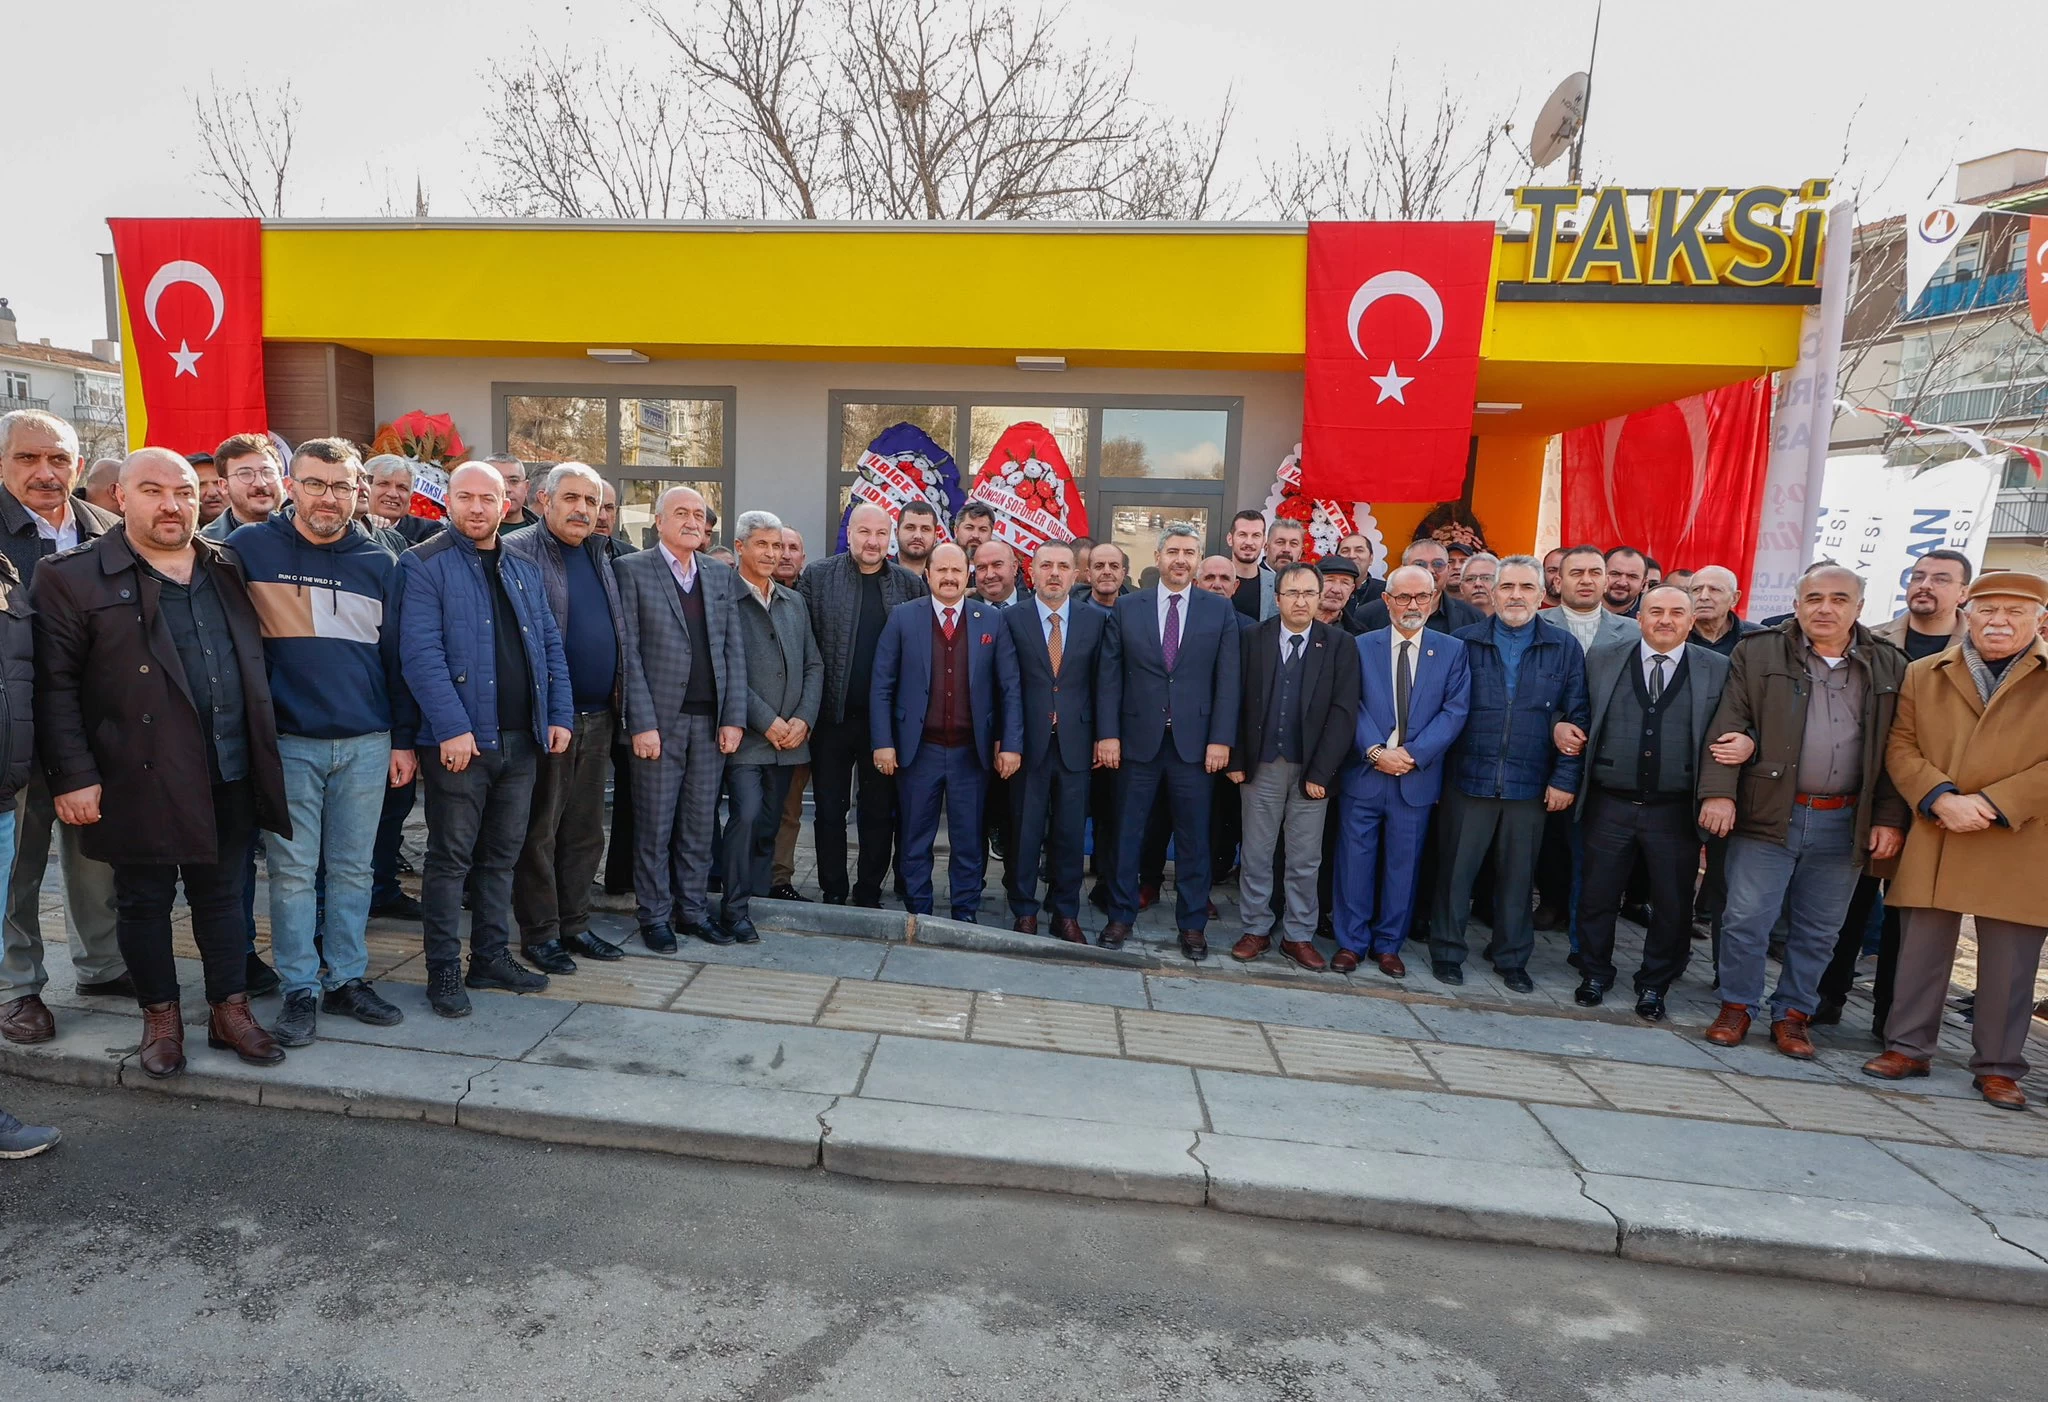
429	438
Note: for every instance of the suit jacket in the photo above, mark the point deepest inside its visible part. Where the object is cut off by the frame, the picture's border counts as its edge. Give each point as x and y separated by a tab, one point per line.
1058	712
1437	705
657	640
903	680
779	645
1614	628
1893	631
1706	673
831	590
24	545
1134	698
1371	615
1329	698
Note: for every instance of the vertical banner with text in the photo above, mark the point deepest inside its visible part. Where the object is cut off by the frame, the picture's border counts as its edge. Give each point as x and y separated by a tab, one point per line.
1880	520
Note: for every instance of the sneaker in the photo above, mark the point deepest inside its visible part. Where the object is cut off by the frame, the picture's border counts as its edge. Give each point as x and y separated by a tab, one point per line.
20	1141
783	891
444	990
499	970
358	1000
299	1023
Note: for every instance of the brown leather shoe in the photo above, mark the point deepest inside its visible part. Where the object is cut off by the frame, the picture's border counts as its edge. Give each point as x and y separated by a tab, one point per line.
1305	954
1069	929
1343	962
1195	945
1114	934
1391	965
1148	896
1894	1066
1788	1034
163	1040
1250	947
234	1028
1025	924
1730	1027
27	1020
2002	1091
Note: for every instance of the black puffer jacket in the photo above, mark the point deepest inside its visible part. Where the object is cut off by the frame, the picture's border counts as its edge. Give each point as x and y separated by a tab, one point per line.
17	682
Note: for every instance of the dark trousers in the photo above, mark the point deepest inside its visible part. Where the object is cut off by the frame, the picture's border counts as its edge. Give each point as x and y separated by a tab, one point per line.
839	751
564	835
1841	971
476	824
1377	864
754	818
618	853
1511	829
951	775
1049	807
1158	836
1663	839
1554	865
143	895
390	837
1187	788
1226	826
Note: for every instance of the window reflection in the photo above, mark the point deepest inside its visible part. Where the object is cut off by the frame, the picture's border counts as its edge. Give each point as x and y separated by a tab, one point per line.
672	433
1136	527
860	424
1186	444
987	423
637	497
550	428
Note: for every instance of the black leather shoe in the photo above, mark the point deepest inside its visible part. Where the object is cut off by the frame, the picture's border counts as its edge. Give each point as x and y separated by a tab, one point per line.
1828	1014
1590	993
659	937
1099	897
1516	980
1448	973
549	957
500	970
1194	945
300	1021
1113	935
358	1000
591	947
444	990
120	986
1650	1005
783	891
742	932
710	934
399	907
258	978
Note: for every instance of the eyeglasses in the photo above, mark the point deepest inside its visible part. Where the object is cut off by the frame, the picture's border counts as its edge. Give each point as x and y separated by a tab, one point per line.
314	488
1406	600
246	475
1299	593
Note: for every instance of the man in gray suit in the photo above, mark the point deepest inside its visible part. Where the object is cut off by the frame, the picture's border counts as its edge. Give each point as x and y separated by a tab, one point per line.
686	709
785	684
1582	583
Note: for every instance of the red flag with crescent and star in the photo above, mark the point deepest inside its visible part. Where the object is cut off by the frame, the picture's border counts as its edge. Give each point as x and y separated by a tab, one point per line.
1396	318
193	290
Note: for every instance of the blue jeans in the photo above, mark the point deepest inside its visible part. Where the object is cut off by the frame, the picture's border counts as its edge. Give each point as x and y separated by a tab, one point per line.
334	790
1810	876
7	837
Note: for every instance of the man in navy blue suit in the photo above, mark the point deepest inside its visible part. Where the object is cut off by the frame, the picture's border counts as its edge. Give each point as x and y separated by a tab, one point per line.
1168	709
1059	642
1417	686
945	682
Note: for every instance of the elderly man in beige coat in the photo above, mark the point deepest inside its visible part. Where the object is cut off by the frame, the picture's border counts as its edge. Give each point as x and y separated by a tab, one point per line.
1969	751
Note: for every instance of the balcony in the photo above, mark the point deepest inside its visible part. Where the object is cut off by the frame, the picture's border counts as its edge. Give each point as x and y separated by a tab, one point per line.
1985	404
9	403
97	415
1970	294
2021	513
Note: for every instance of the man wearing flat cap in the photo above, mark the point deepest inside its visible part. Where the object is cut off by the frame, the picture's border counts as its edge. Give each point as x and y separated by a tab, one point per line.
1969	751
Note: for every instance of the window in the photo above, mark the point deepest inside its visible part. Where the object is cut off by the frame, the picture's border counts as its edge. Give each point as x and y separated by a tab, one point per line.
16	384
637	498
1966	262
2016	251
1186	443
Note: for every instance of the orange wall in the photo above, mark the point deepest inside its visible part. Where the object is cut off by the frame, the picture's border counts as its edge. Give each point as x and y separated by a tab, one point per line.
1506	488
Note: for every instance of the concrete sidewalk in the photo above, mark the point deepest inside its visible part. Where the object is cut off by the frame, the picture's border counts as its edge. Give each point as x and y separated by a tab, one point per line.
896	1056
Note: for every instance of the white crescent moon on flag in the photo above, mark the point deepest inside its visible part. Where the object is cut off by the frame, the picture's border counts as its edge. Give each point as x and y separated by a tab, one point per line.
175	272
1397	282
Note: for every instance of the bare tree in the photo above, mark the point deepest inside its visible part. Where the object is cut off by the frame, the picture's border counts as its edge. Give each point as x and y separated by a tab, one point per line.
245	136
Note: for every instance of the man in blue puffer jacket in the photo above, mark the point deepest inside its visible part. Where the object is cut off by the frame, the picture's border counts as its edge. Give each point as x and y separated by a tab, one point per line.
1505	772
483	659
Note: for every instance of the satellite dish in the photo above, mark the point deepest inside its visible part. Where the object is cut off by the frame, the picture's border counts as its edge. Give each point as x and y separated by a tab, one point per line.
1560	121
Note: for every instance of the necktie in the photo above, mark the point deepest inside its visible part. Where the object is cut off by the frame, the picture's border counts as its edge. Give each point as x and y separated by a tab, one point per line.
1404	686
1053	646
1169	641
949	625
1657	661
1294	651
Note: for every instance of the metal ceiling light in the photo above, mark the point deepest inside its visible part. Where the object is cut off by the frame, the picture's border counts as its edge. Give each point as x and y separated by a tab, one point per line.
620	356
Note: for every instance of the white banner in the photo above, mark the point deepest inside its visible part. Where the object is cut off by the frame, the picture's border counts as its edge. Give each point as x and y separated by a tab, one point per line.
1880	520
1931	235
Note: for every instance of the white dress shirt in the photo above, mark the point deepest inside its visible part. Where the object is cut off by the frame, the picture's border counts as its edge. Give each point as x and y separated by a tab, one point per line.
1671	661
686	578
959	611
1395	740
1185	603
1285	645
1046	615
66	535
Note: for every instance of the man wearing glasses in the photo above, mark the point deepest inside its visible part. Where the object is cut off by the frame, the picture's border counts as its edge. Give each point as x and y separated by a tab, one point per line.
248	464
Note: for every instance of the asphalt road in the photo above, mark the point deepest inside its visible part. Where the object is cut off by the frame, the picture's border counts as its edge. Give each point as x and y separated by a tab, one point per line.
179	1249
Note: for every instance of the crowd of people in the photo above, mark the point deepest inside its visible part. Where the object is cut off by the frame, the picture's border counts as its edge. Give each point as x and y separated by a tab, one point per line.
231	654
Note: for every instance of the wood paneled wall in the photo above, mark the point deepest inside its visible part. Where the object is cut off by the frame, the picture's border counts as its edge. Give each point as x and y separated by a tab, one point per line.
318	389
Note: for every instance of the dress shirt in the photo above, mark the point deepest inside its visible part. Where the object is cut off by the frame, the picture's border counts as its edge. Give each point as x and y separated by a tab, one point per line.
959	611
1182	595
66	535
1046	615
685	578
1000	603
1284	636
1397	739
765	592
1671	658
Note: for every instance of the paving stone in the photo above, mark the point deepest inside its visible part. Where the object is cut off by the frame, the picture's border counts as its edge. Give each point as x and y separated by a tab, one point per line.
2028	1233
2001	1184
1835	1109
1196	1041
761	994
996	973
1257	1002
844	921
1976	1125
1670	1090
638	1042
625	983
1562	1036
797	954
1346	1056
1046	1024
899	1143
938	933
1934	1249
393	950
87	1050
562	1105
1403	1193
1515	1075
908	1009
1369	1117
972	1076
350	1078
1757	1057
503	1026
1736	1156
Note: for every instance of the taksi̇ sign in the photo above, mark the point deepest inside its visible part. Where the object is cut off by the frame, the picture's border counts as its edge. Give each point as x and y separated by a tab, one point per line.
1659	238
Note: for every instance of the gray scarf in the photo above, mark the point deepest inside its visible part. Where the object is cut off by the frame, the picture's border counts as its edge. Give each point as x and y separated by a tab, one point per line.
1987	680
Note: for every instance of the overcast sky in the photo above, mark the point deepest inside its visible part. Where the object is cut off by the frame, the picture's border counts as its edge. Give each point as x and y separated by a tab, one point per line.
1764	94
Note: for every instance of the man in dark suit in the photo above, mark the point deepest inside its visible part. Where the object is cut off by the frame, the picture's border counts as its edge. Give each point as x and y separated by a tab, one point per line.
1059	642
1416	688
945	684
1300	702
686	710
1169	708
1653	701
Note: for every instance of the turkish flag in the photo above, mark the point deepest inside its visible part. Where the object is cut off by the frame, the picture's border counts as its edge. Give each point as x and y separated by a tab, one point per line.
2037	275
194	289
1682	482
1396	313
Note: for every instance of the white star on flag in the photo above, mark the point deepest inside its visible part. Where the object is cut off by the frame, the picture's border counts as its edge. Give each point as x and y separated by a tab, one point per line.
1391	384
187	358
